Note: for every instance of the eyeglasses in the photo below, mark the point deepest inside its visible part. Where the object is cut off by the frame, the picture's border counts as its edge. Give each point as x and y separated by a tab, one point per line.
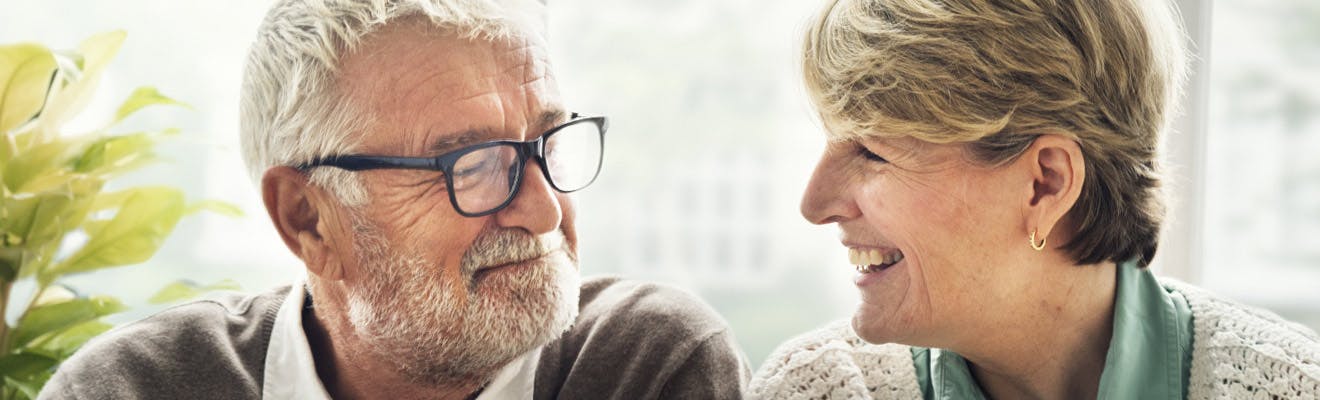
484	178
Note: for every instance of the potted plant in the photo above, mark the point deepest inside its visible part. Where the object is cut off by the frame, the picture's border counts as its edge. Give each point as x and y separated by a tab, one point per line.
55	218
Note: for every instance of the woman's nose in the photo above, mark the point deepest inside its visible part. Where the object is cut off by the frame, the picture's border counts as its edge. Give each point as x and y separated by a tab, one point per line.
825	199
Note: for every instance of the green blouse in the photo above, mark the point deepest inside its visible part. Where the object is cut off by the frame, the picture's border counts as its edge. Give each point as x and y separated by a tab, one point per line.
1150	352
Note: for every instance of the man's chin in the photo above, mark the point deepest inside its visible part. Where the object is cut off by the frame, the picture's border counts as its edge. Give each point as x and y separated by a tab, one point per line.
541	295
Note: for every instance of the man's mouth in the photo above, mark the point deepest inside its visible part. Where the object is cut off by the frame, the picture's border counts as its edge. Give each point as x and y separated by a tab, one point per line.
872	260
508	264
512	263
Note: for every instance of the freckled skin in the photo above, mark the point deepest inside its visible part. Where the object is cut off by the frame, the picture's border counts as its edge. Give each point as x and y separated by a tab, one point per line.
1030	323
947	215
421	86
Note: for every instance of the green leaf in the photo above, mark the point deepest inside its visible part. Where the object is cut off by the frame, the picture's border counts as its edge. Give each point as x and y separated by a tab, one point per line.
145	218
57	293
25	73
96	52
143	97
184	289
18	214
38	223
7	150
117	154
54	219
34	218
24	365
57	317
29	387
40	160
64	344
216	206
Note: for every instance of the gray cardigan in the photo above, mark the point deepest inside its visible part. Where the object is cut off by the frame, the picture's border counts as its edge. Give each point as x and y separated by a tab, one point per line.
631	341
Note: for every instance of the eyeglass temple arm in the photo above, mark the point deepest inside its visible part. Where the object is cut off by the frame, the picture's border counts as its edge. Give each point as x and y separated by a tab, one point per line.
359	163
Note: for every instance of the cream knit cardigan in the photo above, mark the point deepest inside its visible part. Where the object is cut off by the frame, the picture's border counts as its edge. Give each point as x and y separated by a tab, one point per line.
1238	352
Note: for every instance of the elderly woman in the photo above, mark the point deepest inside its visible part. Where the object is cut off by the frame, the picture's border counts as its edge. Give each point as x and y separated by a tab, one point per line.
993	168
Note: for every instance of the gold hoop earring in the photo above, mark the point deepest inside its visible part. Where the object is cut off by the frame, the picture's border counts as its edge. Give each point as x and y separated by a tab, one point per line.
1032	240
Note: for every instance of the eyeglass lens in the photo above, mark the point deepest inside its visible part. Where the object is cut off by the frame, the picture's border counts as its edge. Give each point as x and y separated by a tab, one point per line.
484	179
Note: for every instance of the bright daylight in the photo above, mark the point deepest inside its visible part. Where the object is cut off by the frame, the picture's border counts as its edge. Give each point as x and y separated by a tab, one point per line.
688	199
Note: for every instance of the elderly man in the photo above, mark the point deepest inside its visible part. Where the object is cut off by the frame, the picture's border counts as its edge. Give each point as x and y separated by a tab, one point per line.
417	157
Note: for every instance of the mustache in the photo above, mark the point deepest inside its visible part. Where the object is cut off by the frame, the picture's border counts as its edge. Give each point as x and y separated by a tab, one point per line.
501	246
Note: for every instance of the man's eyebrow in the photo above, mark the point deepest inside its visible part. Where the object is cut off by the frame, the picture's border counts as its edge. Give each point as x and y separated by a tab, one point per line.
448	143
551	118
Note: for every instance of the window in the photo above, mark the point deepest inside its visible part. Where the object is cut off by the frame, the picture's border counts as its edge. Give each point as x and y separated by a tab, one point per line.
712	142
1262	173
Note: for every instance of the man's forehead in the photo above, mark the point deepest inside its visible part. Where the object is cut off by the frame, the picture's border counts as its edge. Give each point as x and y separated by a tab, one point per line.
409	55
450	89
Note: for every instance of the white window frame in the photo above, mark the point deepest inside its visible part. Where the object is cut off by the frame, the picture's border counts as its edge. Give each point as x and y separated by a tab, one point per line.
1181	251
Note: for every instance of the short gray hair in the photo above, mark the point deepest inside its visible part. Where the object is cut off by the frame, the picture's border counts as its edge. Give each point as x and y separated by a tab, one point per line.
291	111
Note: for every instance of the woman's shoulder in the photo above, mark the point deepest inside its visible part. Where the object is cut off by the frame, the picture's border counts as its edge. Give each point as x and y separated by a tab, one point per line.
1238	350
833	363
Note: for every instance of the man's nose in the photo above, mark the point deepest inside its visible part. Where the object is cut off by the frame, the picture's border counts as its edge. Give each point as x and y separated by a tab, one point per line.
536	207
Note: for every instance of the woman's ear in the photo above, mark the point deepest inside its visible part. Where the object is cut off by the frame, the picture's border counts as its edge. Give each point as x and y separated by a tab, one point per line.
1058	171
302	215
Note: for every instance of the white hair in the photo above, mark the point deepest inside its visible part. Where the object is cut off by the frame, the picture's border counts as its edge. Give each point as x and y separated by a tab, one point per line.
412	317
291	111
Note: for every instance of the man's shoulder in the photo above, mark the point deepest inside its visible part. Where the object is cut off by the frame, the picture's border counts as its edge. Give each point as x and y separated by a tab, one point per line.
201	345
832	362
636	339
614	304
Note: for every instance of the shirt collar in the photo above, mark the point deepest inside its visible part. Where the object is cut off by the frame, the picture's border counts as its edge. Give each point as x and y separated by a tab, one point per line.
1145	358
290	371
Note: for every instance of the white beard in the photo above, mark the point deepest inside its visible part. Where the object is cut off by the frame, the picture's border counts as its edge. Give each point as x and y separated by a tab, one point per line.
406	314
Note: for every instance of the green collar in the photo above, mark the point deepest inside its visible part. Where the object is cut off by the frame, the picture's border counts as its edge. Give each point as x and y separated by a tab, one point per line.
1149	353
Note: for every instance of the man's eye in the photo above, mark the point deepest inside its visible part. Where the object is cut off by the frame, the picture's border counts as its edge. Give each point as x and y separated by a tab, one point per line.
473	169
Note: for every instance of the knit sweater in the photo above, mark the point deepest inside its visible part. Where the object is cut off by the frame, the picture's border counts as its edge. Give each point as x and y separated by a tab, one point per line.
1238	352
631	341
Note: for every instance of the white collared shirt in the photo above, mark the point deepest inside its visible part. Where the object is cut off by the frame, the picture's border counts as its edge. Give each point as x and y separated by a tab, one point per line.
291	371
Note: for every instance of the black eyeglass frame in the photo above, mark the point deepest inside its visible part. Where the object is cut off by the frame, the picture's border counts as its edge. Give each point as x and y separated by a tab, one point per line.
444	163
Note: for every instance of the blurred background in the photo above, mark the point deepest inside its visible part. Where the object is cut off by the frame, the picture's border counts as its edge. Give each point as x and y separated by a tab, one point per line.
712	142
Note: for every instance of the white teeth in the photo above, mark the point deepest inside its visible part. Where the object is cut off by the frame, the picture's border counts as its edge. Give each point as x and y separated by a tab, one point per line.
863	259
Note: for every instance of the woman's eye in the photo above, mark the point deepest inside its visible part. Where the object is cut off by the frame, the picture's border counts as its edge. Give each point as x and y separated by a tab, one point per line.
864	152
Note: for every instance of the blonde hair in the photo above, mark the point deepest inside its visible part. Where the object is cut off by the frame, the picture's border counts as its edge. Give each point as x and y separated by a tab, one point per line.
997	74
291	111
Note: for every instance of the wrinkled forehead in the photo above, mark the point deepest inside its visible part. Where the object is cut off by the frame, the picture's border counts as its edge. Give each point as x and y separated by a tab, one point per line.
411	52
419	84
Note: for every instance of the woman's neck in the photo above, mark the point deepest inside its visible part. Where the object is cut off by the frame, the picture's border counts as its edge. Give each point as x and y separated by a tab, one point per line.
1053	343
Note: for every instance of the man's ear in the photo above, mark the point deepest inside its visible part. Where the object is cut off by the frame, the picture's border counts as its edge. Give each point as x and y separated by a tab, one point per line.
302	214
1058	171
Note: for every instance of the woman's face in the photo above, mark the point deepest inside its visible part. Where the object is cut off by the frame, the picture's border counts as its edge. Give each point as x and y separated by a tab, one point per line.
949	224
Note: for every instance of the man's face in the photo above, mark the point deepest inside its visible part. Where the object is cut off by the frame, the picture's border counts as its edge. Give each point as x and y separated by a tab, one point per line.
447	296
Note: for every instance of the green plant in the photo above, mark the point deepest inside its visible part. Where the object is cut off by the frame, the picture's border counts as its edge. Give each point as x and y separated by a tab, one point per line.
55	219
